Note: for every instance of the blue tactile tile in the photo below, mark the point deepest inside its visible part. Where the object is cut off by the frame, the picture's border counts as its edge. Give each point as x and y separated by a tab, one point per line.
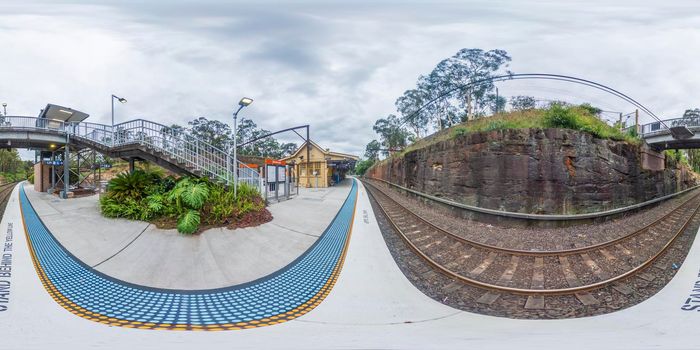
286	294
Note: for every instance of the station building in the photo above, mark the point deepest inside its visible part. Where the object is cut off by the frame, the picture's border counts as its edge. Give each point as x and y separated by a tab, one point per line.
315	166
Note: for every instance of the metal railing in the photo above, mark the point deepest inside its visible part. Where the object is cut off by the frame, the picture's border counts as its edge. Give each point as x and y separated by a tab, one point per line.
190	152
658	127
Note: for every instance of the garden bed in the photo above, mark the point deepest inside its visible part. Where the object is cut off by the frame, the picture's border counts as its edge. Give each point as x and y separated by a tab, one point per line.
187	204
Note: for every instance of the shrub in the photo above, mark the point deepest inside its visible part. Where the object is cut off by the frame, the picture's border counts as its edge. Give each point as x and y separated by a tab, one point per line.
459	131
221	204
128	208
189	195
559	116
155	205
497	125
188	222
248	200
144	195
130	185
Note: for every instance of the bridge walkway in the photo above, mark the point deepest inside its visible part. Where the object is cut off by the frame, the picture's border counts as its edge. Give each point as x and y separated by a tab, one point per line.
135	139
675	133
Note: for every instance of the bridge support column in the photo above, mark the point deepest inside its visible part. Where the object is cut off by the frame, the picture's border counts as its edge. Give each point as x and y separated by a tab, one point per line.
652	160
66	171
132	165
53	171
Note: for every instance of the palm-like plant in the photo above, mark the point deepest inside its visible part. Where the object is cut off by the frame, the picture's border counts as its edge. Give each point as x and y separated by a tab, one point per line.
129	185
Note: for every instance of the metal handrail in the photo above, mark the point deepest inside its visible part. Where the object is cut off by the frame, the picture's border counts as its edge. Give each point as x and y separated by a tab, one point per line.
658	127
184	148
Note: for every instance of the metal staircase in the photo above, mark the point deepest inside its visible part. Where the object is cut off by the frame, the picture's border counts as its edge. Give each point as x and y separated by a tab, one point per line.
143	139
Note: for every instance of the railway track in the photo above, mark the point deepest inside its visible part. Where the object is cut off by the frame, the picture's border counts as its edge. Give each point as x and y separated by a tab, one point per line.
537	274
5	192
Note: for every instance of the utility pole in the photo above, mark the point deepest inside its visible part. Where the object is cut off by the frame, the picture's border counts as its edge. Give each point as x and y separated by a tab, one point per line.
66	167
496	100
636	121
469	104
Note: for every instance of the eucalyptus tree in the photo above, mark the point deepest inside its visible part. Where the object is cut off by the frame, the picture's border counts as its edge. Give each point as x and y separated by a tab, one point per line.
468	66
213	132
522	103
495	103
409	106
431	101
690	117
372	150
393	135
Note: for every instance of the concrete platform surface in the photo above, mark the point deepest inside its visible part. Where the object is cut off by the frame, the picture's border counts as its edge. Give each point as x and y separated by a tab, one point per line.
139	253
372	306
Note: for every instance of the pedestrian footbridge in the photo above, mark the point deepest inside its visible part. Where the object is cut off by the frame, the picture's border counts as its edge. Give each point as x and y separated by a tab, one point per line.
132	140
678	133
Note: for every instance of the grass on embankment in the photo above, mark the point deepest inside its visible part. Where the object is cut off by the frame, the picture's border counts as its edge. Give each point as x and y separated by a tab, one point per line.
580	118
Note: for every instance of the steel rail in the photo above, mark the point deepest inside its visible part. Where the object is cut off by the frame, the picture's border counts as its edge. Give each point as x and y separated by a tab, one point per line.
6	192
541	253
527	291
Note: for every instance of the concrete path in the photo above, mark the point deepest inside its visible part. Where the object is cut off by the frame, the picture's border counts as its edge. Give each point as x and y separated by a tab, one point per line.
372	306
140	253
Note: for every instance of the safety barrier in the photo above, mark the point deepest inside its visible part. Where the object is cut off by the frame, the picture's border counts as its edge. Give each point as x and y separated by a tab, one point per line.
193	153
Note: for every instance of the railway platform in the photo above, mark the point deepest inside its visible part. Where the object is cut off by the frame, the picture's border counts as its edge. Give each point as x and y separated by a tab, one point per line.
370	304
140	253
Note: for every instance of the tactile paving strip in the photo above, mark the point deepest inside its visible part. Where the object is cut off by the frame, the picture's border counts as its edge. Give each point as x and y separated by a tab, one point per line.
289	293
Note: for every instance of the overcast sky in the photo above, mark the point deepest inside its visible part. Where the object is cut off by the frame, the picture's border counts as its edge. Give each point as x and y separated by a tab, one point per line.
335	65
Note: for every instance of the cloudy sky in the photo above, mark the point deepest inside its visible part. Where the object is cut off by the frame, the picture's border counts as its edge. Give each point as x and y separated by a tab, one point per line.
337	65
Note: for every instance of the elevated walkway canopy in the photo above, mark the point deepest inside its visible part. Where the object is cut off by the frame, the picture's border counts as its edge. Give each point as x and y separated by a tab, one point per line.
63	114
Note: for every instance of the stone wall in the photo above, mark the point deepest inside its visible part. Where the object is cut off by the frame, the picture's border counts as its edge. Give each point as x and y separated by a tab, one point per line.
542	171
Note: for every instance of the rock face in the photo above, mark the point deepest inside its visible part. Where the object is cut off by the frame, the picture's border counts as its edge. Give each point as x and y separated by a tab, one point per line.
542	171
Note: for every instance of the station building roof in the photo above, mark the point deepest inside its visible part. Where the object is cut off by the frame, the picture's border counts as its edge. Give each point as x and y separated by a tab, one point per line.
325	151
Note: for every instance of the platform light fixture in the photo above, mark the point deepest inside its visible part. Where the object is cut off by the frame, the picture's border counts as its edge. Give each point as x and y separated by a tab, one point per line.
121	100
244	102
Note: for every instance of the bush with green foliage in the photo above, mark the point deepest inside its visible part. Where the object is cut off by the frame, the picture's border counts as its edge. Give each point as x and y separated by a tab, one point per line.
362	166
676	156
582	118
188	196
132	185
559	116
145	195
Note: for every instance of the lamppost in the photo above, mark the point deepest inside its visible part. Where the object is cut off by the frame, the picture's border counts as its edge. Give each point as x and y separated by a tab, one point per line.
244	102
496	100
122	100
4	108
